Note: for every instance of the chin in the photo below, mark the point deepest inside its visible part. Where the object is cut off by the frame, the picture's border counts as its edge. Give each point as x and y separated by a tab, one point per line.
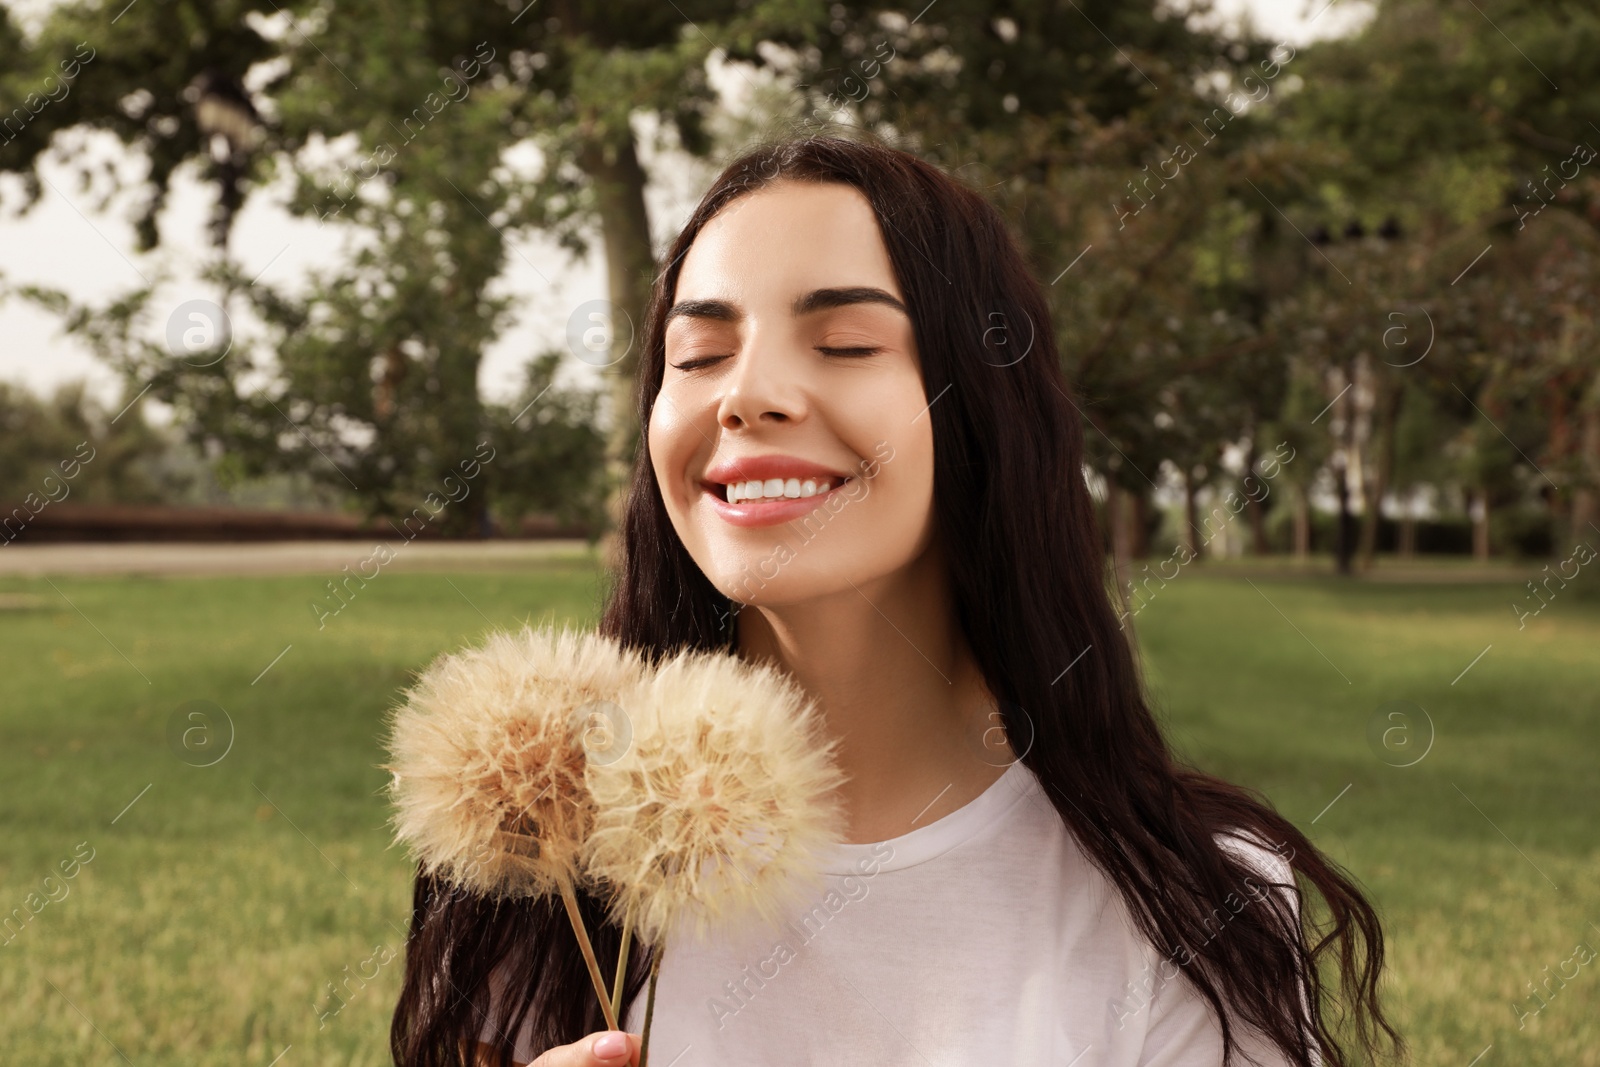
783	576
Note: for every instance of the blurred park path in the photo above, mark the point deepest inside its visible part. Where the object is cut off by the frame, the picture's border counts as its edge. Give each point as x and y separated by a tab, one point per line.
316	557
1425	570
273	557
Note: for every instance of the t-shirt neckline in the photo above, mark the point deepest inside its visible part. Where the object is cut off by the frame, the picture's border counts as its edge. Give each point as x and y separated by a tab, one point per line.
940	836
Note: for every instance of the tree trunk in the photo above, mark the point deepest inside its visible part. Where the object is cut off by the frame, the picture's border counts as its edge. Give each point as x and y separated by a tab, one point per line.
1256	508
1352	473
1342	540
1408	531
1139	521
1585	499
618	180
1480	528
1302	523
1560	444
1119	510
1259	546
1387	409
1191	514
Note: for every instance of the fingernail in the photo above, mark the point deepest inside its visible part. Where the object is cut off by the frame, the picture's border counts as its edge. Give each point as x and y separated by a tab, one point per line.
610	1045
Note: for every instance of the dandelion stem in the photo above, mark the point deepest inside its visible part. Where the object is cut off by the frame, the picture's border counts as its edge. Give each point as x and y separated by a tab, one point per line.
622	966
650	1003
571	902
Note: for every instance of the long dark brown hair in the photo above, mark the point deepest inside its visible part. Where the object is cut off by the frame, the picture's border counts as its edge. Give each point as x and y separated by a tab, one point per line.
1030	591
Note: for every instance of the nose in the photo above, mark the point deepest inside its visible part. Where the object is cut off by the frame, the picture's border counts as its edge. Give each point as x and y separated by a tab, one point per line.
765	387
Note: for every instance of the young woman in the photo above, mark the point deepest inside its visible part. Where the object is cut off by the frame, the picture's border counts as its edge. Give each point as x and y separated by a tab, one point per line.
848	471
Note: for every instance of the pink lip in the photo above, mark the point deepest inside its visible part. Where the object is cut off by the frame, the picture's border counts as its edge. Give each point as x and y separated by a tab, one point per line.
760	468
767	512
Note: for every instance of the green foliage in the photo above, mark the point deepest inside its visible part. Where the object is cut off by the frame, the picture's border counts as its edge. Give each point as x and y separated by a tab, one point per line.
68	448
394	120
137	76
1187	194
550	455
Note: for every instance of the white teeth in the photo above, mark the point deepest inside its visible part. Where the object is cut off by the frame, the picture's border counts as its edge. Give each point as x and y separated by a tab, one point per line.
776	488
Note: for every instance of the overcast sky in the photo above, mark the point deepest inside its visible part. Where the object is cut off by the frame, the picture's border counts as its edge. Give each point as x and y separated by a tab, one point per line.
72	242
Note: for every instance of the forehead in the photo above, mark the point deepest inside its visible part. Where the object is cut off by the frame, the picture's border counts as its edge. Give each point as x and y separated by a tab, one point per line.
787	238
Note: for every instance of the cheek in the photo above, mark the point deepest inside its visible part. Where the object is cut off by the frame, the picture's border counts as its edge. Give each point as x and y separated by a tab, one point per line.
886	520
903	453
898	438
890	424
669	448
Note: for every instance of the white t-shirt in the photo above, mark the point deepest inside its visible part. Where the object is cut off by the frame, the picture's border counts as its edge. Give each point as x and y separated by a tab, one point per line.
985	937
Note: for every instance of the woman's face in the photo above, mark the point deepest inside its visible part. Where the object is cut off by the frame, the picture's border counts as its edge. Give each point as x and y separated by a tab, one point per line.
792	369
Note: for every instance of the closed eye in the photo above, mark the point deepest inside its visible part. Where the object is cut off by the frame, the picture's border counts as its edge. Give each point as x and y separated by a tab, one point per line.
861	351
696	364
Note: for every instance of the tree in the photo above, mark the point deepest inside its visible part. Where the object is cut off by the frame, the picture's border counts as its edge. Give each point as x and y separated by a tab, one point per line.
1473	132
433	194
68	447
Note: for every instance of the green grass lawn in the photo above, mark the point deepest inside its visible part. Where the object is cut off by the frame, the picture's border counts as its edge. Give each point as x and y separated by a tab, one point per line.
219	909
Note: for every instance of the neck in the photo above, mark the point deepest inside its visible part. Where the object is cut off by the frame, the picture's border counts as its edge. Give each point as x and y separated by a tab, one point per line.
899	689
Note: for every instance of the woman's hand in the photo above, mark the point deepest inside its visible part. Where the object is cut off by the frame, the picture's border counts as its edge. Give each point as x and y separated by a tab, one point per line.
613	1048
610	1048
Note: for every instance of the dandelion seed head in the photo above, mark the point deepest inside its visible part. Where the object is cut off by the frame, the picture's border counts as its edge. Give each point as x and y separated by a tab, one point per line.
488	755
720	808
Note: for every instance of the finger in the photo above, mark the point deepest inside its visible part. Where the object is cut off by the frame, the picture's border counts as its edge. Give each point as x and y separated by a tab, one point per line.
612	1048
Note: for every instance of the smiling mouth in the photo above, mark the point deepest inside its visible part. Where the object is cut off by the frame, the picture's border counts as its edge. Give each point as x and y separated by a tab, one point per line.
774	490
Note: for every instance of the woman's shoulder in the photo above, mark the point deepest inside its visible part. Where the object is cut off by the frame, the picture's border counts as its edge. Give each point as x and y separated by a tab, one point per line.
1270	859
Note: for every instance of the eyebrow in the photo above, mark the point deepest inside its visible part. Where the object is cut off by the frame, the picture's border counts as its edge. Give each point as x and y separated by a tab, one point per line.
826	299
816	300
